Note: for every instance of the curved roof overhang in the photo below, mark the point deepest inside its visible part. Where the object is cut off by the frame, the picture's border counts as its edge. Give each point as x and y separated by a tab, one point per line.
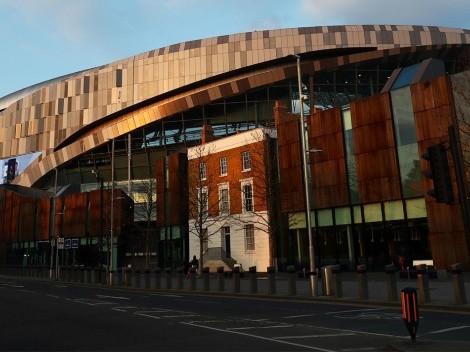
226	86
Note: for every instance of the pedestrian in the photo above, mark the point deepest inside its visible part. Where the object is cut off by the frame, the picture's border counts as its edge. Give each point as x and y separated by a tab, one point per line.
195	263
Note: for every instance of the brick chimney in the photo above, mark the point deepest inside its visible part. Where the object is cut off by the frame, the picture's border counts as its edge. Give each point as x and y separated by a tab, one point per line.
207	134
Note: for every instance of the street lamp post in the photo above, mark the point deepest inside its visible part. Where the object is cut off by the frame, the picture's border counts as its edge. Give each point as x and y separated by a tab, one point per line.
306	173
111	237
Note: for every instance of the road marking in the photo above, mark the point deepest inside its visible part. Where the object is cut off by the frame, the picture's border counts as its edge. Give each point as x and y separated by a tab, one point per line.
261	327
53	296
124	309
112	297
28	291
311	336
259	337
356	310
299	316
12	285
449	329
92	302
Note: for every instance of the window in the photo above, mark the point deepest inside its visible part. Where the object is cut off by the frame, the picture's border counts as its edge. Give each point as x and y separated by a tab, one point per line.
224	205
223	166
247	196
203	202
202	171
246	161
249	237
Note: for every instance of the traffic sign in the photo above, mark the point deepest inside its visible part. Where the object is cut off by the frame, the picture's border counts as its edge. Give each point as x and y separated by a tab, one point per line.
60	242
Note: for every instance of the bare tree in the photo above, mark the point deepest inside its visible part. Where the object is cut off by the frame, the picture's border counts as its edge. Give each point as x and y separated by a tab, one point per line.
203	197
266	190
144	196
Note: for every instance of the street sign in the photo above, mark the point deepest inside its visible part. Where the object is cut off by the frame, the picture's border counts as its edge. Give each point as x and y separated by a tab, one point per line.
60	242
75	242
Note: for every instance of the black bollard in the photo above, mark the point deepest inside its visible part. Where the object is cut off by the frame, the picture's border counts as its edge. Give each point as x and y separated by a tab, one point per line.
220	279
392	292
205	279
409	304
423	283
158	275
179	278
292	288
459	287
362	282
271	280
168	283
338	286
253	280
236	279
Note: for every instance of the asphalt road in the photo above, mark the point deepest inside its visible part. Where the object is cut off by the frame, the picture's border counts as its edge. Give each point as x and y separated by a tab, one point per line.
52	316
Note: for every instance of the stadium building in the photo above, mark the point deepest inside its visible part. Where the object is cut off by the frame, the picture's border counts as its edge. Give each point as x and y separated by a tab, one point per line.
375	97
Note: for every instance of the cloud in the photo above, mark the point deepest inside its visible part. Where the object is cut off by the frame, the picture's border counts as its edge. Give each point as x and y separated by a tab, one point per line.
426	12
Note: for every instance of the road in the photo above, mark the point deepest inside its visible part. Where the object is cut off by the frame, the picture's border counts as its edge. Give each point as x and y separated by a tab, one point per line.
53	316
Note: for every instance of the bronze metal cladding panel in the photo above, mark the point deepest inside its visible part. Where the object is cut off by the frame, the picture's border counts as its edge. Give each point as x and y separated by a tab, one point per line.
75	215
431	94
376	163
27	219
44	219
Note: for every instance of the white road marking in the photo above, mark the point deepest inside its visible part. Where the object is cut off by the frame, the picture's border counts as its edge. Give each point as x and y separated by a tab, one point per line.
261	327
449	329
53	296
356	310
259	337
311	336
299	316
112	297
12	285
124	309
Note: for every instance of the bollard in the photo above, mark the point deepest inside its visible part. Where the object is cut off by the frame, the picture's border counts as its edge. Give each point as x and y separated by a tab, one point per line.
409	304
236	279
147	278
253	280
168	284
179	278
220	279
423	283
137	278
391	282
192	279
292	289
104	276
271	280
158	274
128	277
362	282
95	275
82	275
205	279
119	276
338	285
457	282
88	275
327	277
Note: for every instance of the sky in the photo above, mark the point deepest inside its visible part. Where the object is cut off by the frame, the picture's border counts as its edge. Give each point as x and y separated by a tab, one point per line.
45	39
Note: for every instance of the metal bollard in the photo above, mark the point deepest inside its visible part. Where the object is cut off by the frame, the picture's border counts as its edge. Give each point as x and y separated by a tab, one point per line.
179	278
409	304
236	279
220	279
271	280
253	280
205	279
147	278
423	283
168	284
128	277
192	279
137	278
338	285
158	274
457	282
392	292
362	282
292	288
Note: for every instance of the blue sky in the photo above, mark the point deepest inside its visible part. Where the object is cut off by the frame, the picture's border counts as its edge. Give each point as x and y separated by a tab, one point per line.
44	39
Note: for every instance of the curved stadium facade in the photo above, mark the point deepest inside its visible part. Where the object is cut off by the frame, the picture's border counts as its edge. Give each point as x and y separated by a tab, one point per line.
158	101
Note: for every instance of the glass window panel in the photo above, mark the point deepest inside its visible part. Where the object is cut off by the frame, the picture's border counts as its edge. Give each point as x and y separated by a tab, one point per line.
372	212
394	210
343	216
325	217
416	208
